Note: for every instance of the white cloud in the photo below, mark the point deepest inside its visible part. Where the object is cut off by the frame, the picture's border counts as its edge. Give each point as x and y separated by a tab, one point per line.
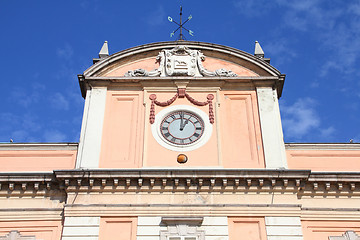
333	24
281	48
300	118
58	101
65	52
20	128
54	136
253	8
30	122
157	17
26	98
301	121
327	132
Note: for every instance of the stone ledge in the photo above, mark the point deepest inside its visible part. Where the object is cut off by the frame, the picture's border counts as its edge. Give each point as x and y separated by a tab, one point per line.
322	146
38	146
218	180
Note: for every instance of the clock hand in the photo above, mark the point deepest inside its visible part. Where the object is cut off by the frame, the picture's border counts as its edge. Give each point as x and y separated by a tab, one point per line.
181	121
186	122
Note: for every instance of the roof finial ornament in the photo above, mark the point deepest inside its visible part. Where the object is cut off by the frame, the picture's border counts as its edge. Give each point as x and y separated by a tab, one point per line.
181	26
260	53
104	51
258	50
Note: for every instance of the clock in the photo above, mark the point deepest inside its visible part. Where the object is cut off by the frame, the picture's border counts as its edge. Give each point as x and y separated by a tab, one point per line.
181	128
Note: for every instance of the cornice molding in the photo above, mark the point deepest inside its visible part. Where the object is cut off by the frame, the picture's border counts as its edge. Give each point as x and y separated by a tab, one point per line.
38	146
27	183
304	182
322	146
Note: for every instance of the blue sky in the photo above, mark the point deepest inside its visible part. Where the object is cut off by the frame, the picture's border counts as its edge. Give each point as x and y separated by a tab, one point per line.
45	44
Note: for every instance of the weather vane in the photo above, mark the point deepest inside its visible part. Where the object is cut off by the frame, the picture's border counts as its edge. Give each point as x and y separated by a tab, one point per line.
181	26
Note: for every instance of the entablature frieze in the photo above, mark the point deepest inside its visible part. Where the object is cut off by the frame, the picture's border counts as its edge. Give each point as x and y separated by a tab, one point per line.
161	82
302	182
27	183
182	180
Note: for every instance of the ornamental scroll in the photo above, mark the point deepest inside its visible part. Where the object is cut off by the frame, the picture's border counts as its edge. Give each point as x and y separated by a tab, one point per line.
181	93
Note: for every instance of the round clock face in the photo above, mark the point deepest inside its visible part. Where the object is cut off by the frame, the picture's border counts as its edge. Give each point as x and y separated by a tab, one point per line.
182	127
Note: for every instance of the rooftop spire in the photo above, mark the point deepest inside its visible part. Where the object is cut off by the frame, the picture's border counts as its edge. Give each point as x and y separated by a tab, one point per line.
258	50
104	52
260	53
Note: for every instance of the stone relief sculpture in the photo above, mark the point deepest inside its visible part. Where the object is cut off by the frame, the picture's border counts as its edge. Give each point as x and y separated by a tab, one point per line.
180	61
185	227
348	235
15	235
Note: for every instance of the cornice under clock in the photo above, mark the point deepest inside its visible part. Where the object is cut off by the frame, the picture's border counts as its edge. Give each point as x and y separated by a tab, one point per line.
303	182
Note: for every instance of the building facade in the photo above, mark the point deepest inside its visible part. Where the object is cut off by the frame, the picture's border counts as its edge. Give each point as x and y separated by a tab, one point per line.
180	141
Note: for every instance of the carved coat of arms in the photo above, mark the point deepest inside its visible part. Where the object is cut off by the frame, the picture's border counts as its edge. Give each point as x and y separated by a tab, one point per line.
180	61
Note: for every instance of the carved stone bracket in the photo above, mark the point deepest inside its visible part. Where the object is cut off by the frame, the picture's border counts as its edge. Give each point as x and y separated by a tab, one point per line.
177	226
348	235
181	93
180	61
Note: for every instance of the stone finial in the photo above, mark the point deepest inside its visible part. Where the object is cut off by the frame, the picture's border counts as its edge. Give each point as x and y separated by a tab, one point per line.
258	50
104	52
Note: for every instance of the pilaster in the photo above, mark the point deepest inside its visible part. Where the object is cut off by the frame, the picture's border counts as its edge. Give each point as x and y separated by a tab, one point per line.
281	228
92	127
272	135
84	228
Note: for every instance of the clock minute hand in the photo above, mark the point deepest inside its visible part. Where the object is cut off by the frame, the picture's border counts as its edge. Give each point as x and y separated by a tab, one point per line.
181	121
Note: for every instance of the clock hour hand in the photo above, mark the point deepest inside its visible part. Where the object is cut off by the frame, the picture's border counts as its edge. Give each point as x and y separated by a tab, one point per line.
186	122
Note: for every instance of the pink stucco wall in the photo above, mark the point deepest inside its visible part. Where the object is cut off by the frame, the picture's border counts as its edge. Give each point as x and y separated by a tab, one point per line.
324	160
240	128
36	160
127	140
150	64
249	228
45	230
322	230
118	228
123	130
157	156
